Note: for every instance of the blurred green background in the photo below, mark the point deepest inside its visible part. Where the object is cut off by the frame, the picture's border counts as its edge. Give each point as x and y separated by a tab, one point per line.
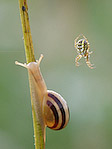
54	25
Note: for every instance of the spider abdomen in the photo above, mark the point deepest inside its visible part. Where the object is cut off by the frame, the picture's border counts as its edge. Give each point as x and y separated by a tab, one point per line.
82	46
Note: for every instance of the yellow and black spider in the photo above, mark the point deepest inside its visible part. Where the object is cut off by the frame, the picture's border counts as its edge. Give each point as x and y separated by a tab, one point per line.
82	46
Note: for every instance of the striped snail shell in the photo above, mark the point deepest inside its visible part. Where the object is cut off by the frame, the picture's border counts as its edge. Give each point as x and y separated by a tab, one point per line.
55	111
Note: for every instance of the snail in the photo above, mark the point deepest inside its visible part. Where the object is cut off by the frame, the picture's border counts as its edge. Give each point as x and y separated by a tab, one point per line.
53	111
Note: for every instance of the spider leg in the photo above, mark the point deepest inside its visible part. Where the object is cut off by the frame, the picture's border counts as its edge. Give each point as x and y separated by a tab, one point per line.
88	45
89	63
77	59
91	52
84	37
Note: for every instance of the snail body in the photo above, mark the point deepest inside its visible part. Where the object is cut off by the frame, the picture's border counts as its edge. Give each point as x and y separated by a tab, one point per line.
50	107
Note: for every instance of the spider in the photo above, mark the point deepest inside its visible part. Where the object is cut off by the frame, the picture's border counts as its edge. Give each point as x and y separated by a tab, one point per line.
82	46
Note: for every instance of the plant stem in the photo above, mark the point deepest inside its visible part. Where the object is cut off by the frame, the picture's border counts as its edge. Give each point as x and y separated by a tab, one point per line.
29	50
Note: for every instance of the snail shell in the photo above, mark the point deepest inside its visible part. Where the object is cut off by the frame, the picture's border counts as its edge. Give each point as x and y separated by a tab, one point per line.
55	111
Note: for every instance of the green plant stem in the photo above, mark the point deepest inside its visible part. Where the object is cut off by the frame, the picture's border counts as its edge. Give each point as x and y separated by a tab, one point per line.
29	50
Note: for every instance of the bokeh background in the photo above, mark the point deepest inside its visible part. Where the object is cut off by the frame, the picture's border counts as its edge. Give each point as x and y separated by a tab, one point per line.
54	25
